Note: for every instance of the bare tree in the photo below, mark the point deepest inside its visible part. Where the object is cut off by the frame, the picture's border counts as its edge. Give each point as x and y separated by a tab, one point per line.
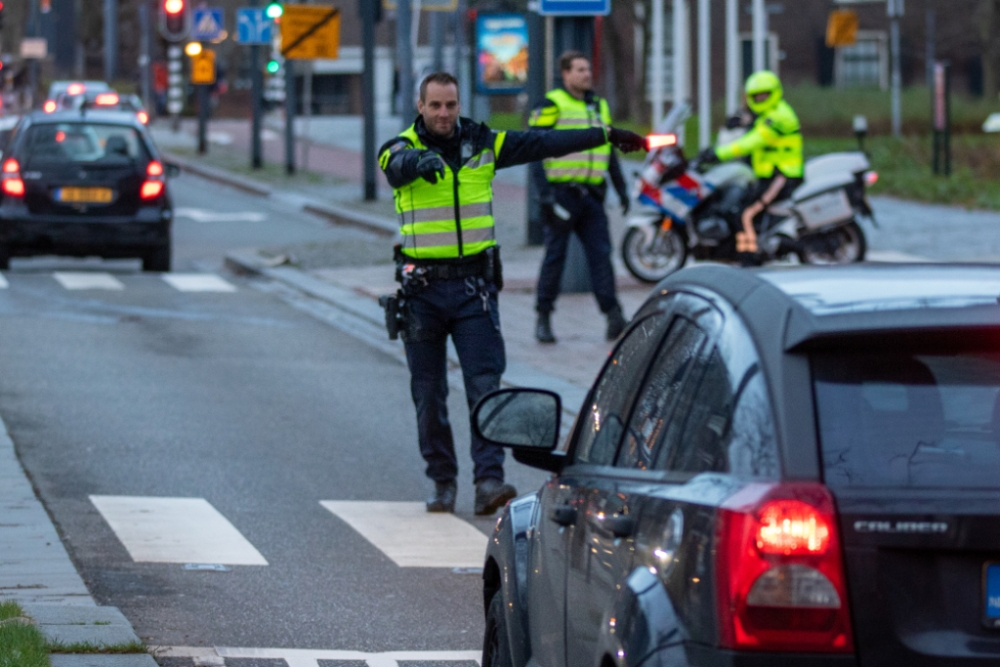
989	28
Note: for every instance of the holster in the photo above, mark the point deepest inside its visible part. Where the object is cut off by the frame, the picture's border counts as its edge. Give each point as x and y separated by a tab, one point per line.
396	313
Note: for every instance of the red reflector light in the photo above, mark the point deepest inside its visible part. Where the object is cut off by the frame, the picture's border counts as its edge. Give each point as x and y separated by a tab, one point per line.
871	178
151	189
106	99
780	574
49	106
60	137
11	166
661	140
154	169
143	117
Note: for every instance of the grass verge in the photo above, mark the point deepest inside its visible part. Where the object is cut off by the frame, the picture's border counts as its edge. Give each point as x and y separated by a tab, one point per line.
21	643
87	647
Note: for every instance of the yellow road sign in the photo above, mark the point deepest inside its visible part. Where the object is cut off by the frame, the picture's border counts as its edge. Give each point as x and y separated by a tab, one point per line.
310	31
203	68
842	28
425	5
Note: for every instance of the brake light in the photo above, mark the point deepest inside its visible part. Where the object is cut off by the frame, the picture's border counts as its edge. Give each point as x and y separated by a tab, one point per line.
143	117
152	187
661	140
11	182
871	178
49	106
106	99
75	89
780	573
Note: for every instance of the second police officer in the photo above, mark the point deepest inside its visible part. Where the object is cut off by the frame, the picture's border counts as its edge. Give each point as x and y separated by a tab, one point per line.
441	170
571	189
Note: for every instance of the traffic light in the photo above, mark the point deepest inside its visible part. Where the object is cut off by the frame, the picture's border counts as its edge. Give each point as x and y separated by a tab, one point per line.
175	19
273	66
274	10
1	15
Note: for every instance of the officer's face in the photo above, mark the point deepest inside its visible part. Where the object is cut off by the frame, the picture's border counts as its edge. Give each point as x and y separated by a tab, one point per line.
578	78
440	108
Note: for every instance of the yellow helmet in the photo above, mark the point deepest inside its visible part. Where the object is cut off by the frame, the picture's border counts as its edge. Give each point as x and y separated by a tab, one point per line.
760	82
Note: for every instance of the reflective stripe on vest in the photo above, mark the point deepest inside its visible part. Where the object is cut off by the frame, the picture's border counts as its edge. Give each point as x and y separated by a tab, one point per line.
590	166
453	217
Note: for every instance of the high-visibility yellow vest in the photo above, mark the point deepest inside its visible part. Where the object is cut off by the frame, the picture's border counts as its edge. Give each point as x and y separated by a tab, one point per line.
569	113
451	218
774	142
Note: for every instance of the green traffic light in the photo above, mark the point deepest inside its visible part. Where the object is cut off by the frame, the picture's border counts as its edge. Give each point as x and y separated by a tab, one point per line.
273	66
274	10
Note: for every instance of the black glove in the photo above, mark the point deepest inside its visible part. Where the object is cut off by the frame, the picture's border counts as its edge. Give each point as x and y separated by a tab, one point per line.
627	142
430	167
708	156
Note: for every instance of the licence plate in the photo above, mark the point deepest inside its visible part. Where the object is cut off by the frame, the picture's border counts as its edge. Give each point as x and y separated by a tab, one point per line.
991	595
83	195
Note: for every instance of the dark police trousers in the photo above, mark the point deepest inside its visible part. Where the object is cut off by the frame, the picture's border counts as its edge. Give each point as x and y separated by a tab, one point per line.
590	223
467	309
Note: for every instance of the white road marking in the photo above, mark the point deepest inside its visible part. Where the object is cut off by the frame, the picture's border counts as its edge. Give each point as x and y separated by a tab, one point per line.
311	657
3	282
204	215
410	536
84	280
175	530
198	282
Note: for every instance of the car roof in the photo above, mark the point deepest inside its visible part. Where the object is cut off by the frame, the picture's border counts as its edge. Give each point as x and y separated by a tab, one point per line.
57	87
112	116
818	303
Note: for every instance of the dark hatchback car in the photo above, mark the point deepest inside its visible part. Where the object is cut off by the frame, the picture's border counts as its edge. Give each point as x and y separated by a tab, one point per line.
85	183
785	467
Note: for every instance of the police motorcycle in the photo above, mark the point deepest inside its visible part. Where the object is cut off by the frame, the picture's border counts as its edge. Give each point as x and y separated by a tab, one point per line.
681	210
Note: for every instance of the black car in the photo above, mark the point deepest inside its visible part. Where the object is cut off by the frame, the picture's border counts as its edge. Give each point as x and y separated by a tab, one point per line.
785	467
83	183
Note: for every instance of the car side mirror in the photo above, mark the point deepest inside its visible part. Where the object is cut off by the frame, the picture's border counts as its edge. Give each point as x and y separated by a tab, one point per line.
525	420
173	169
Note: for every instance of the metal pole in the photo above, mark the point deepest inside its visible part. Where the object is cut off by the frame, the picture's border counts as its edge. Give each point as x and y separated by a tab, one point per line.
33	64
537	84
203	102
682	49
110	40
931	39
897	104
733	55
657	45
759	35
145	61
704	73
256	95
289	116
368	95
404	61
462	69
437	39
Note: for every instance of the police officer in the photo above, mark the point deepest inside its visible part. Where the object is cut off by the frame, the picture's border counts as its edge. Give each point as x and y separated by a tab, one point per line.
441	169
571	190
774	145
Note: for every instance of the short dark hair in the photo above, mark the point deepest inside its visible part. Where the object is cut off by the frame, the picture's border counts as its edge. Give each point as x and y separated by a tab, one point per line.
441	78
567	58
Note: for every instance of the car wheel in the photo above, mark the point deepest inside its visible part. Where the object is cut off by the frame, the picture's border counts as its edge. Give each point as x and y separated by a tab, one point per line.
157	259
496	642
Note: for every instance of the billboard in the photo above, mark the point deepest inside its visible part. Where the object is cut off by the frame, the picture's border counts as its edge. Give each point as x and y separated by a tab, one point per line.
501	53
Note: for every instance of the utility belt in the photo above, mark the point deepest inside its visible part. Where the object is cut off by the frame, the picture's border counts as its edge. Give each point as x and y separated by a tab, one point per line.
583	189
413	274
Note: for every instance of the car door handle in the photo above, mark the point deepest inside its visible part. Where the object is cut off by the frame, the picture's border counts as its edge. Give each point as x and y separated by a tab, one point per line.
564	515
620	525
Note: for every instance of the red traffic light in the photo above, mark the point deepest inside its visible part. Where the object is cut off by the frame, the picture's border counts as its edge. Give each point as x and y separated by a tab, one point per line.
173	6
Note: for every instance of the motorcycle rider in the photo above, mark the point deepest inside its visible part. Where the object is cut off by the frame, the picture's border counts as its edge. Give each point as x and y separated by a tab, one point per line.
774	145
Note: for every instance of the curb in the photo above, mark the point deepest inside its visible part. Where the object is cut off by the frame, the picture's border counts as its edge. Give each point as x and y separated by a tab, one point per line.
220	176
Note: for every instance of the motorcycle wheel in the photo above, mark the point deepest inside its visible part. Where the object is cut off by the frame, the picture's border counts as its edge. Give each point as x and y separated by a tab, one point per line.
844	245
653	259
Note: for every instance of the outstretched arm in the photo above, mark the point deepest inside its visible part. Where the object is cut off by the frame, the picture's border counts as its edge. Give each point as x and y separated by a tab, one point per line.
759	136
533	145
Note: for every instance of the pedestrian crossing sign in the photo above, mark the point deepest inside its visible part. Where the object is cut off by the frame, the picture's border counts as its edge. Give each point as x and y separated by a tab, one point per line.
207	24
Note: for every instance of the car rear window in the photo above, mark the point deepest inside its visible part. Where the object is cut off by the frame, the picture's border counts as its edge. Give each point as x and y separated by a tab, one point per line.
82	142
900	419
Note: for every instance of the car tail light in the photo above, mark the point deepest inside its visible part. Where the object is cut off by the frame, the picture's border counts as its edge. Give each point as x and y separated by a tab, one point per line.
143	117
106	99
49	106
871	178
152	187
10	180
75	89
780	571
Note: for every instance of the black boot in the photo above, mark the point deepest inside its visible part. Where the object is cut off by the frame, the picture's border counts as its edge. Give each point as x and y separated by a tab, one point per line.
616	323
443	499
491	495
543	328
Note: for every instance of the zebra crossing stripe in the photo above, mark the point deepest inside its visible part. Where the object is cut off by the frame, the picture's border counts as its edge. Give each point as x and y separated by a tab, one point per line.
412	537
3	282
81	280
311	657
197	282
175	530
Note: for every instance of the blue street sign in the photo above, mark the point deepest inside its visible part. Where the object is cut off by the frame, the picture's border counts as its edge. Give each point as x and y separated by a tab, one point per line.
207	24
253	26
574	7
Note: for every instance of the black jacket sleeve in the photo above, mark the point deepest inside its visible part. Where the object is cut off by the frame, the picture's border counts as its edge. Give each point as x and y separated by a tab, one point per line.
533	145
398	160
617	178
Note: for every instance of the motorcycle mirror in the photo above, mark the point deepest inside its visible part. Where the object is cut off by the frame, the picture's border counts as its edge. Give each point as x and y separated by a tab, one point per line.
661	140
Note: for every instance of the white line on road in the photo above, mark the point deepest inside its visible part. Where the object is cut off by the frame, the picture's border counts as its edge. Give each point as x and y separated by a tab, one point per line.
84	280
198	282
175	530
311	657
410	536
205	215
